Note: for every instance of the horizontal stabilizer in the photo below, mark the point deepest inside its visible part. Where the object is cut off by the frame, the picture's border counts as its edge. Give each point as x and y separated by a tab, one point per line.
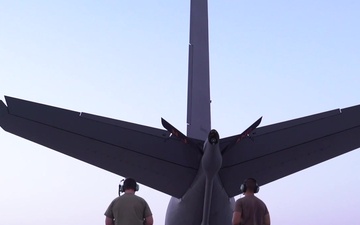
278	150
126	149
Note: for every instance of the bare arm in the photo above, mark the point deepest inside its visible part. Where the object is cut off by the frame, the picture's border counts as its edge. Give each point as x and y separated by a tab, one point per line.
109	221
236	218
267	219
149	220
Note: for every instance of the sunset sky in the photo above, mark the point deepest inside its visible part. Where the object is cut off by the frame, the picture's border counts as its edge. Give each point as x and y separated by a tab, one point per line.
127	60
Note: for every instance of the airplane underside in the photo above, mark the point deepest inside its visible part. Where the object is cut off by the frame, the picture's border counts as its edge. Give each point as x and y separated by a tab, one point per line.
220	211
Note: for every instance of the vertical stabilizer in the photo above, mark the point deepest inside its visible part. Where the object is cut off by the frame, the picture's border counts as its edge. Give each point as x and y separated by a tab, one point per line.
198	114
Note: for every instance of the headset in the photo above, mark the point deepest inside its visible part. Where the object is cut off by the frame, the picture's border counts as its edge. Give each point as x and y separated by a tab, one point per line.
126	184
243	186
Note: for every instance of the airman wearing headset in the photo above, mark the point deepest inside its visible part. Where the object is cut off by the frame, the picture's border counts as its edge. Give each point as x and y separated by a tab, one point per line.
249	209
128	209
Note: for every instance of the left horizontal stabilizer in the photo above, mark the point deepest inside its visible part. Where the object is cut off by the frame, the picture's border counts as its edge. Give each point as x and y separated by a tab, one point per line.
126	149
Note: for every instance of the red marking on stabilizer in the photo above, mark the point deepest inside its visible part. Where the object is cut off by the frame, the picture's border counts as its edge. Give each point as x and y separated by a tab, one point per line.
174	132
245	134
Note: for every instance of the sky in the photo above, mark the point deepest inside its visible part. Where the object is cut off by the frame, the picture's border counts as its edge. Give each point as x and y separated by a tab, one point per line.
127	60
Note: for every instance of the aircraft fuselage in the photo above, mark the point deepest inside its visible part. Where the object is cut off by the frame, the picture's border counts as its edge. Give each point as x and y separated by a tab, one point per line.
206	201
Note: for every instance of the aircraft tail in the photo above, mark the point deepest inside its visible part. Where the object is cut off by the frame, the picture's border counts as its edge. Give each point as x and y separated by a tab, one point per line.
198	111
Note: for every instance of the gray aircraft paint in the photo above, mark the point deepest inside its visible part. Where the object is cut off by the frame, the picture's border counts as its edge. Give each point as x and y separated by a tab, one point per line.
198	114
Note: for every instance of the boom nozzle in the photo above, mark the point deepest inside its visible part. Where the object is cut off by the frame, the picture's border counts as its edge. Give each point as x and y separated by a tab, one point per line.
213	137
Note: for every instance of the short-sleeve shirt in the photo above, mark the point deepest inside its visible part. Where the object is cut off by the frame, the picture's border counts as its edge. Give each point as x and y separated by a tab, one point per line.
252	210
128	209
